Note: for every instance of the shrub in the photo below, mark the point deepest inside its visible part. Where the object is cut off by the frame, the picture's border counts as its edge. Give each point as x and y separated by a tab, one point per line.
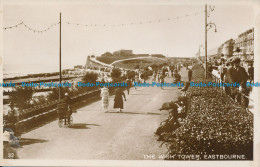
90	77
116	74
21	97
130	74
39	100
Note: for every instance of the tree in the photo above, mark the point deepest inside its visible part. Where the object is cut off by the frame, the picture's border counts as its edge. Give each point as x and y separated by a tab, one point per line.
90	77
21	97
116	74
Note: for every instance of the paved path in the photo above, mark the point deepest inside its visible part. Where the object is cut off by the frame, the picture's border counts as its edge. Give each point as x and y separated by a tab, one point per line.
108	136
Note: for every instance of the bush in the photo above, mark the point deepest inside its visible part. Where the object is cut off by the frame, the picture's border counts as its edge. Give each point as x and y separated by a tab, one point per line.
130	74
215	125
116	74
90	77
39	100
21	97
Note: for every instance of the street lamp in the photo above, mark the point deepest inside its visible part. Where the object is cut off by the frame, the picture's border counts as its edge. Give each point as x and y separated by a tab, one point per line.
208	26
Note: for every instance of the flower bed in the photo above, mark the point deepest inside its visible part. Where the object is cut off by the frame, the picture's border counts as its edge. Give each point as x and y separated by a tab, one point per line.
215	125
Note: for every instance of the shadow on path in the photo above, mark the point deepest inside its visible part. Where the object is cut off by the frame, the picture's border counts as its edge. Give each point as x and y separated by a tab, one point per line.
82	126
28	141
129	112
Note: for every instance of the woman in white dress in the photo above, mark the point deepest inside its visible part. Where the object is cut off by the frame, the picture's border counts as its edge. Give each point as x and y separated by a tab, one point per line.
105	98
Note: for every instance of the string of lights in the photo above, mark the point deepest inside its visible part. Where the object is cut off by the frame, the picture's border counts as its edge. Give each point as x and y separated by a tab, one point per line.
31	29
102	25
135	23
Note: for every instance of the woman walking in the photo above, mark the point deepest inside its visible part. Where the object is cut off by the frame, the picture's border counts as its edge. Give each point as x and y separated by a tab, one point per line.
136	80
105	98
162	80
154	77
118	101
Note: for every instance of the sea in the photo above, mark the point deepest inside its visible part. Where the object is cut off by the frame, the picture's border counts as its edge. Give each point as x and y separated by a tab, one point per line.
11	71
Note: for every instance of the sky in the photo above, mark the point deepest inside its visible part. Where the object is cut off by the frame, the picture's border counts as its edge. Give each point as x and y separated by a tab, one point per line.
29	52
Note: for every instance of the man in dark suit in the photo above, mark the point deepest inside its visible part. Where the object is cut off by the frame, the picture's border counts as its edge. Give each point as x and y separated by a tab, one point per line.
251	72
189	74
238	74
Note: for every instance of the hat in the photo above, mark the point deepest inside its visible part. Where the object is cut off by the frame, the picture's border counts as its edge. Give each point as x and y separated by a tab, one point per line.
165	106
236	59
168	105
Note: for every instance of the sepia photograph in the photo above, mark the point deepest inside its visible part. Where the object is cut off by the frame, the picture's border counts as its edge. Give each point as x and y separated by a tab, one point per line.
129	83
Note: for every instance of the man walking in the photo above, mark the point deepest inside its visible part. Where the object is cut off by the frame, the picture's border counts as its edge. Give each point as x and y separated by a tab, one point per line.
162	80
189	74
238	74
129	84
251	72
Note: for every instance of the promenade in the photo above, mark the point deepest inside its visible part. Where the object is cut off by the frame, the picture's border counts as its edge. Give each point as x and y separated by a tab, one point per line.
106	136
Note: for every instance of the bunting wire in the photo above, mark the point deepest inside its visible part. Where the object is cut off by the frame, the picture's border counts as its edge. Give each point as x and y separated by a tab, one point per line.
134	23
103	25
31	29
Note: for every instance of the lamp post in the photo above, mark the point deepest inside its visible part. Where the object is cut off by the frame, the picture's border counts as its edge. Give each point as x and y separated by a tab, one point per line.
60	61
207	27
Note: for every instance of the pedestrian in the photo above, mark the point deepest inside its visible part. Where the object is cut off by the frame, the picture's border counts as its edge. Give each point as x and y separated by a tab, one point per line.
210	69
154	77
226	78
221	68
170	124
118	101
136	79
142	77
251	72
105	78
162	80
189	74
67	100
221	71
177	77
129	84
238	75
8	150
104	94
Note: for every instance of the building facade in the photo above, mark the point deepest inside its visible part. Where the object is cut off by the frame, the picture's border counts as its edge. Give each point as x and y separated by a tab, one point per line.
244	45
227	50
